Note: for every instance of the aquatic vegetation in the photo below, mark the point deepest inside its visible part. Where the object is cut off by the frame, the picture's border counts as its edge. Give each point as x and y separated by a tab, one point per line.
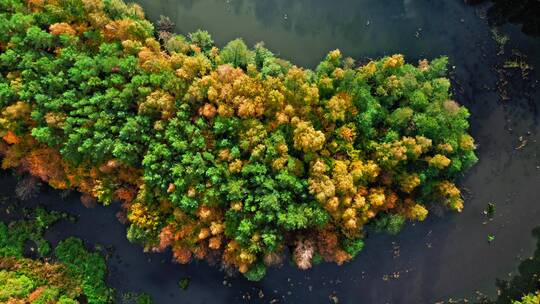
230	153
73	274
527	281
522	12
27	188
136	298
31	281
531	298
183	283
523	287
13	237
88	268
24	280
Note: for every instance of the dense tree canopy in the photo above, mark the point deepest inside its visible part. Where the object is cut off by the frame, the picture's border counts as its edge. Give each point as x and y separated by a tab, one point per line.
230	153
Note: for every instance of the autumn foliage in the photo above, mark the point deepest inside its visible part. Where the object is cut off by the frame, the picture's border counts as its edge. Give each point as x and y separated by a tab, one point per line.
231	153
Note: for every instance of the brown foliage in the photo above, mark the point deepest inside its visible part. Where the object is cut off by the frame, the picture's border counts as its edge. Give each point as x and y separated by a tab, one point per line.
62	28
46	163
166	237
119	30
303	254
208	111
11	138
159	102
13	156
273	259
3	148
88	200
126	195
327	242
214	242
341	257
36	5
182	254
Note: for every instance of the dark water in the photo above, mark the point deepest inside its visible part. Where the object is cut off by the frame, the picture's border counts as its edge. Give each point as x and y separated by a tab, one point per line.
447	256
522	12
305	30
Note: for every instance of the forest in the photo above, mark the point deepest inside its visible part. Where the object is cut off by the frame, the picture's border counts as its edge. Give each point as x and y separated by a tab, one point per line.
233	154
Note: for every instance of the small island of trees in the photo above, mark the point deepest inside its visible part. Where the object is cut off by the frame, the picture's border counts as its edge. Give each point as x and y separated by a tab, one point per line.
225	154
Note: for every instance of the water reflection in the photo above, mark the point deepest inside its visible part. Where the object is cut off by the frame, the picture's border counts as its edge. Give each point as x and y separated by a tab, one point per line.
307	29
526	281
524	12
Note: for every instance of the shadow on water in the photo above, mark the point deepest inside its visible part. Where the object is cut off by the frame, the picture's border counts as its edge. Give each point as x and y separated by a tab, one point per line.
523	12
528	279
442	257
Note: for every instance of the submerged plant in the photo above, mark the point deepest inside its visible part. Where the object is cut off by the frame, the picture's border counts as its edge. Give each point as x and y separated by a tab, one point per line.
27	188
235	154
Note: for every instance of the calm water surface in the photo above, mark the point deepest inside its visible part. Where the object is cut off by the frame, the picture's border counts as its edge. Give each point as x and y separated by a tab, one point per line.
448	255
305	30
